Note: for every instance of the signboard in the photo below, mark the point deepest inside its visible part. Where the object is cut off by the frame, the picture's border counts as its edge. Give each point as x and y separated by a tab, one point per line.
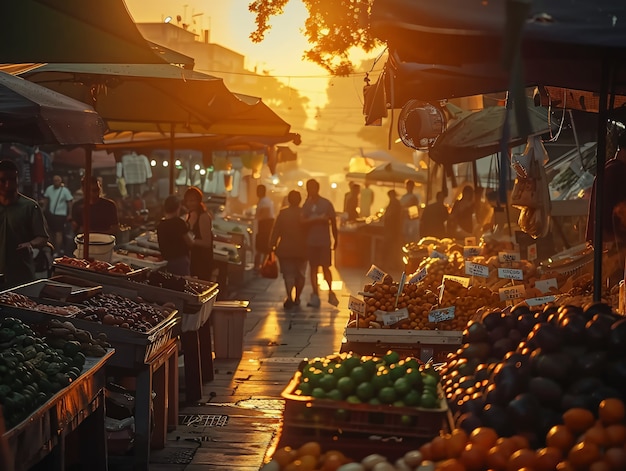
532	252
376	274
471	251
545	285
510	293
470	241
504	257
540	300
511	273
435	254
475	269
440	315
390	318
418	276
356	305
462	280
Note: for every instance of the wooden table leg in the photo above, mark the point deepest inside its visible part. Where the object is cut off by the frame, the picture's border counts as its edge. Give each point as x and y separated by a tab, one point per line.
143	401
193	373
206	351
172	384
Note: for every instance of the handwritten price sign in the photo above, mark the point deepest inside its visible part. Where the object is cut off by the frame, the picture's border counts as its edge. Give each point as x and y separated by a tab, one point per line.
510	273
376	274
540	300
471	251
510	293
435	254
356	305
504	257
390	318
532	252
475	269
545	285
440	315
418	276
462	280
470	241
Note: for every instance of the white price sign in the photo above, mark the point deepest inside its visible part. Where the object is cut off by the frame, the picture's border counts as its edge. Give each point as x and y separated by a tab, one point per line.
532	252
440	315
512	292
540	300
462	280
471	251
510	273
376	274
504	257
418	276
470	241
476	269
356	305
545	285
390	318
435	254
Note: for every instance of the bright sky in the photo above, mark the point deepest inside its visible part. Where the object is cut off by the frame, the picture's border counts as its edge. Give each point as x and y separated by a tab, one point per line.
230	24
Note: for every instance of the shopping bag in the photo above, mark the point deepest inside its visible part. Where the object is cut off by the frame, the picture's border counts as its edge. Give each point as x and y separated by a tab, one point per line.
269	269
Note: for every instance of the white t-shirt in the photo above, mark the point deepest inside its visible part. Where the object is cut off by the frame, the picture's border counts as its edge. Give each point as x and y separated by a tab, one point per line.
58	199
265	208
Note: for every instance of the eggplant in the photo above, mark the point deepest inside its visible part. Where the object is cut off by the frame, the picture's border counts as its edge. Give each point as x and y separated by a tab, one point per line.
469	422
571	401
523	411
493	319
503	346
597	331
508	380
616	373
546	336
617	338
547	390
592	309
572	327
526	322
475	332
591	364
585	385
497	417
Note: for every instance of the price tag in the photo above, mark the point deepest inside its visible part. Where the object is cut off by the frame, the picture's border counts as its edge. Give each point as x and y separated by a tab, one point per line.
376	274
418	276
435	254
470	241
471	251
462	280
540	300
512	292
440	315
54	291
509	257
545	285
476	269
532	252
390	318
510	273
356	305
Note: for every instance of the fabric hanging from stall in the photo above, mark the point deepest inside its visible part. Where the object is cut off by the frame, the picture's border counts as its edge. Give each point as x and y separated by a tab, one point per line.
135	169
210	182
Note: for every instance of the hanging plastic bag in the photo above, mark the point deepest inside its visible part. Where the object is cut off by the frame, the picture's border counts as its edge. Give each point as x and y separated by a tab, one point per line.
530	182
269	269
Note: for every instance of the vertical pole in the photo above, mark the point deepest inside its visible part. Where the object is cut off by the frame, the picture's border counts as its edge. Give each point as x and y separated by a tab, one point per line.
172	160
87	200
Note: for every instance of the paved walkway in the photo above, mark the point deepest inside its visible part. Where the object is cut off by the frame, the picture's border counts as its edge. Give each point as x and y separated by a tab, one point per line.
238	422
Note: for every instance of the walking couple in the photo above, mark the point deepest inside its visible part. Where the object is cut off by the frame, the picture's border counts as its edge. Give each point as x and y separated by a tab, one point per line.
301	235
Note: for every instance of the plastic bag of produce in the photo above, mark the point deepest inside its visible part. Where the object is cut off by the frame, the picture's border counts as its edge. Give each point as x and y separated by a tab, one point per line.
269	269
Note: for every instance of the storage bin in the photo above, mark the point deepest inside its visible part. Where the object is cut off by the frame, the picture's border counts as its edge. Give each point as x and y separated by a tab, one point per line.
228	318
100	246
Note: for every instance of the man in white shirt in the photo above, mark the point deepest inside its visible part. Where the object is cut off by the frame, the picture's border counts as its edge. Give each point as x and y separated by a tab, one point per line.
57	207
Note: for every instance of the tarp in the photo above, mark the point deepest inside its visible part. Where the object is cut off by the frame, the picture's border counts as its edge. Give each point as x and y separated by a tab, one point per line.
71	31
394	172
32	114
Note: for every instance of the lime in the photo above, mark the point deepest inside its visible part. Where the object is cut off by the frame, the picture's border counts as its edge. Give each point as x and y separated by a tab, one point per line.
412	398
337	370
429	401
304	389
397	370
315	378
414	378
429	380
401	386
406	420
352	399
387	395
412	363
335	395
308	371
391	357
341	414
359	374
318	393
380	380
346	385
328	382
374	401
350	363
365	391
369	366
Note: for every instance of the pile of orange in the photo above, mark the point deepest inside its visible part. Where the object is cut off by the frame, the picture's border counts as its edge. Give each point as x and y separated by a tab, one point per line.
308	457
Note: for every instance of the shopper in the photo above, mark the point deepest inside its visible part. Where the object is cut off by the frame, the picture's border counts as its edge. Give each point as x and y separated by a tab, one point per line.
434	218
174	240
351	204
367	200
200	223
410	203
57	208
318	216
102	211
264	217
462	214
393	221
286	241
22	228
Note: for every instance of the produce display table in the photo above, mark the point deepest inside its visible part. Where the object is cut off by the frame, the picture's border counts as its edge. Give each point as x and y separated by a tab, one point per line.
228	319
194	309
150	357
424	344
76	412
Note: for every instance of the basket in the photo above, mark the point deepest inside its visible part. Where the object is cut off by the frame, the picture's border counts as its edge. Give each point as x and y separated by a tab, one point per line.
325	414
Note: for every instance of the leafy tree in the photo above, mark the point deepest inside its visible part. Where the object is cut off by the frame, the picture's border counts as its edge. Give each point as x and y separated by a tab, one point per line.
332	28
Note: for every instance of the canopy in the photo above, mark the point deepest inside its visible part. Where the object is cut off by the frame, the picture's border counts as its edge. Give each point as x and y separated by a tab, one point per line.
71	31
394	172
159	98
31	114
